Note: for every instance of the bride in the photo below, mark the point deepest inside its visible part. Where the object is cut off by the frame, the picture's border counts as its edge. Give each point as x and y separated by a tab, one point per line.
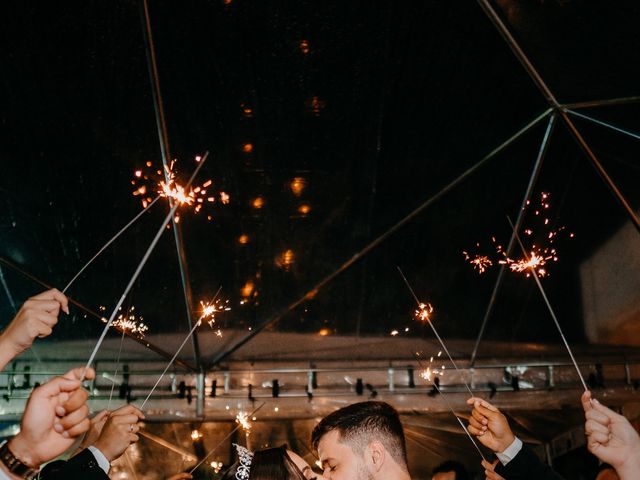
270	464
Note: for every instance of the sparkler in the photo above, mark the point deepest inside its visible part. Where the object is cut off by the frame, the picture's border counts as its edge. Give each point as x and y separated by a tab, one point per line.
538	256
553	315
205	313
139	269
212	308
225	439
113	239
242	418
167	185
424	314
129	322
435	385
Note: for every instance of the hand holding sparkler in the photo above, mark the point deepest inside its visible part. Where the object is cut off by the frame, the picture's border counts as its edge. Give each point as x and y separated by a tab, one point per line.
35	319
489	425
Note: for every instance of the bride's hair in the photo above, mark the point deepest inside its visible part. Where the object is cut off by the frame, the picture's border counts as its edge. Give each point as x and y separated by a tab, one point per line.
269	464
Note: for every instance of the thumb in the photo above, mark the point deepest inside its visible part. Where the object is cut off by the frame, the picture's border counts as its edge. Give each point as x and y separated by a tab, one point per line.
56	386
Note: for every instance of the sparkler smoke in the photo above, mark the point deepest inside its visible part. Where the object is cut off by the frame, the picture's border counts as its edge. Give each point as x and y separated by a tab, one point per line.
553	315
106	245
206	311
423	313
539	255
435	385
238	426
139	269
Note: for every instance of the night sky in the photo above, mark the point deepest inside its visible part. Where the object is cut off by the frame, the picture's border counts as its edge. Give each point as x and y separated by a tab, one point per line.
374	106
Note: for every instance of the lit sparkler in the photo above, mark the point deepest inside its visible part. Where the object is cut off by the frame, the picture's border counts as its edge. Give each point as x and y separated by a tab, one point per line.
209	310
538	255
431	371
128	322
242	419
167	185
424	314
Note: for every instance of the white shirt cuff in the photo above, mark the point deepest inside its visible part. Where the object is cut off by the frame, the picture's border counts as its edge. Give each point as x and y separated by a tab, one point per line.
101	459
510	452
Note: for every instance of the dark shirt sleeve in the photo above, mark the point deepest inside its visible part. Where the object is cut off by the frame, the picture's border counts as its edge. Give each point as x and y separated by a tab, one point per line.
83	466
526	466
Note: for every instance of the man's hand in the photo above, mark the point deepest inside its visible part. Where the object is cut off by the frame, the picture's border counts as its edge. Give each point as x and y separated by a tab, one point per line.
97	423
119	432
611	438
489	472
36	318
55	415
489	425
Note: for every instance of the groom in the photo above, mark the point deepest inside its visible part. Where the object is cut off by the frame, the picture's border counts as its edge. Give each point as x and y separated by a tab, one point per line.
363	441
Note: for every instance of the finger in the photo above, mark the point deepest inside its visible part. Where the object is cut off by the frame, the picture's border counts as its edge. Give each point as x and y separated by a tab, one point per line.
55	386
473	400
47	318
479	417
100	416
486	405
586	401
477	425
606	411
74	417
594	415
57	295
133	438
47	306
129	410
77	430
125	419
489	411
487	465
76	373
591	427
599	437
75	401
475	431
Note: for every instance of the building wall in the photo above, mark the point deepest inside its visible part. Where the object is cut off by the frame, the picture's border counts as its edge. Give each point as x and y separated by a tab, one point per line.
610	283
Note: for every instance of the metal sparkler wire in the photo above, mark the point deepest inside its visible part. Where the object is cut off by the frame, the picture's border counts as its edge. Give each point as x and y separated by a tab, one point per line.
603	124
115	373
444	347
106	245
546	301
238	426
435	384
140	266
204	314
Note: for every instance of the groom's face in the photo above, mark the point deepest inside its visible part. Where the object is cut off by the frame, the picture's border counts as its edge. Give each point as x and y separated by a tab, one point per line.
339	461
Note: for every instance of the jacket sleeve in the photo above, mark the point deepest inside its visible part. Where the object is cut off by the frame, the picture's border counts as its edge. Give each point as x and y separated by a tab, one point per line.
83	465
526	466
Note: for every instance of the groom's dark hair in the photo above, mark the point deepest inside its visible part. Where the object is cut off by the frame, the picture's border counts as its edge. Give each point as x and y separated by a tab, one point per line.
361	423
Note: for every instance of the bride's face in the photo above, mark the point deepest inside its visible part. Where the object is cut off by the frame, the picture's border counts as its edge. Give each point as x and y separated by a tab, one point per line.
303	466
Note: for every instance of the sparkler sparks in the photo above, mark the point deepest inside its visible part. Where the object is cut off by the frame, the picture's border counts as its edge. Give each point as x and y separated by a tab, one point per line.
424	312
128	322
210	309
431	372
167	184
242	419
538	256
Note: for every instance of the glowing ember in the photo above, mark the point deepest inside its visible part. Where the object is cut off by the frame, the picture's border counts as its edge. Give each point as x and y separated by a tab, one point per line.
431	372
297	185
424	312
196	435
304	47
258	203
247	147
285	260
304	209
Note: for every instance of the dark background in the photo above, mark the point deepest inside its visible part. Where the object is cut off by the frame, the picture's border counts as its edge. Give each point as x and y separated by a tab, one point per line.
408	95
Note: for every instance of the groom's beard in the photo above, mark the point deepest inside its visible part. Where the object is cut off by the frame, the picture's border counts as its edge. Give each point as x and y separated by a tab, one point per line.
362	472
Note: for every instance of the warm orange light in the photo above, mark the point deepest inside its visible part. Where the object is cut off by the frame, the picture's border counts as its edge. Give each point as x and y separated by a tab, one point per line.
246	110
247	290
297	185
247	147
285	259
324	332
195	435
315	105
304	47
243	239
258	202
304	209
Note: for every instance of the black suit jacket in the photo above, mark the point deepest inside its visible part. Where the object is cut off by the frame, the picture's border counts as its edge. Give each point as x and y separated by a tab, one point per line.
526	466
83	466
